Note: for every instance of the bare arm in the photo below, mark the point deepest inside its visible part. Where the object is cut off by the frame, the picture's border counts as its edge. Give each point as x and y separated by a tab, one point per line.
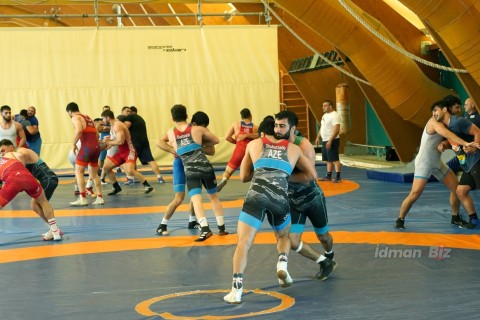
209	139
444	132
20	134
246	167
208	150
163	144
308	172
336	131
229	134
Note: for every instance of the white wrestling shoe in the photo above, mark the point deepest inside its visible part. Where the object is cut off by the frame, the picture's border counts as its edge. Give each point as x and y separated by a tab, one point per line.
52	235
284	278
81	201
234	297
98	201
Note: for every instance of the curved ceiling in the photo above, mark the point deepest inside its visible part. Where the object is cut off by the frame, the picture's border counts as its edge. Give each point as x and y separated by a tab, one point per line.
406	87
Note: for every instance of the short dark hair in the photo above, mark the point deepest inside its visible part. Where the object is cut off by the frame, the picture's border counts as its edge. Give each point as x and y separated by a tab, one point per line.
72	107
330	102
289	115
126	107
451	100
108	113
245	113
97	119
5	107
121	118
133	108
6	142
441	104
267	126
179	113
24	113
200	118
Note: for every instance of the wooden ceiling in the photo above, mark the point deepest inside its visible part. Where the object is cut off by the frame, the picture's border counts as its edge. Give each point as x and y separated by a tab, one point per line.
128	13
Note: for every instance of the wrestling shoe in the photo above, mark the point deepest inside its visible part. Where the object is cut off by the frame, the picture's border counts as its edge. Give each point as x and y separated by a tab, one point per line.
162	230
114	191
327	266
53	235
161	180
326	178
234	297
222	231
400	223
473	224
193	225
98	201
205	234
284	278
103	182
90	192
458	220
81	201
337	180
148	189
221	185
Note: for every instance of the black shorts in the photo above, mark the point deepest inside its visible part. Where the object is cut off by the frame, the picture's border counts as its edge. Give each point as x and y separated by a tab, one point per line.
332	154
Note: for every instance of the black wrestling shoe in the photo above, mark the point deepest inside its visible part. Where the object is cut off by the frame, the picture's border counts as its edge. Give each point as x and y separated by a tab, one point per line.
193	225
148	189
205	234
327	266
222	231
400	224
114	191
162	230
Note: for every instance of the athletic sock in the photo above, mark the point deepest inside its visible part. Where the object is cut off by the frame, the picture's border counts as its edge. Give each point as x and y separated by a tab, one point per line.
321	258
203	222
89	183
329	254
220	221
329	175
164	221
145	183
192	218
53	224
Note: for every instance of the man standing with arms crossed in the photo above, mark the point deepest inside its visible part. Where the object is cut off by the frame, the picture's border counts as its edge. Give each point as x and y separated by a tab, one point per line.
329	133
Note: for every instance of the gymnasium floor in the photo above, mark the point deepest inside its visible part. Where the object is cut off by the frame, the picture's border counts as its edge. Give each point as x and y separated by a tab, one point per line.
111	265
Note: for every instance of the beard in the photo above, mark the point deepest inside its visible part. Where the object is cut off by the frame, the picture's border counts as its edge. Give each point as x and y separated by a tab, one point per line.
285	136
8	119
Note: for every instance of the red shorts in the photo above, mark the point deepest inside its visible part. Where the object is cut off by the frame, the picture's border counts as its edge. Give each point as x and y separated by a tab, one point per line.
122	156
88	155
23	182
238	154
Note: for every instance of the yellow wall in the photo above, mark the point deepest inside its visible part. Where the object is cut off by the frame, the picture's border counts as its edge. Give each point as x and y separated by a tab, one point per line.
216	69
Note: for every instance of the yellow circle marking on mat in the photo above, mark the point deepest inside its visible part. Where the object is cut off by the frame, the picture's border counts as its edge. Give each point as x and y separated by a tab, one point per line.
143	308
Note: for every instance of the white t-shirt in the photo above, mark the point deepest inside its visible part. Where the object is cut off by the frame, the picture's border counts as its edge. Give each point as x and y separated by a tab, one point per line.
329	120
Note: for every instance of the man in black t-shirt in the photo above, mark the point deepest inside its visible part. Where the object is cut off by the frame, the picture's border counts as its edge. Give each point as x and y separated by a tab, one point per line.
138	132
